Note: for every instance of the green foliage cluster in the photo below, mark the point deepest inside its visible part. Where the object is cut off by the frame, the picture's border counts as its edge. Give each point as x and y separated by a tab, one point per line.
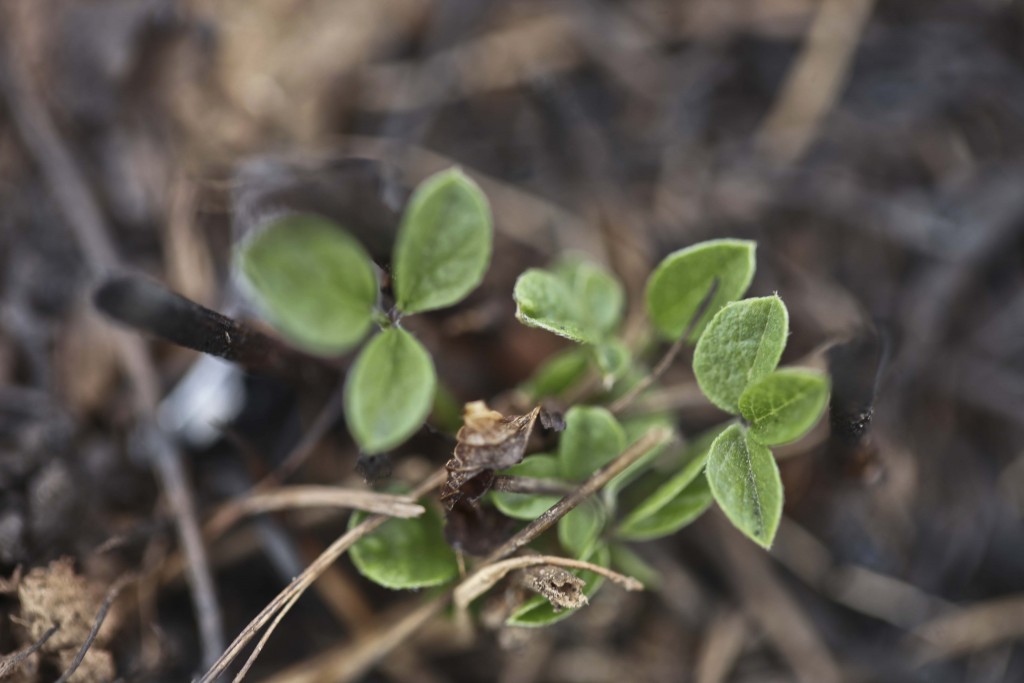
318	285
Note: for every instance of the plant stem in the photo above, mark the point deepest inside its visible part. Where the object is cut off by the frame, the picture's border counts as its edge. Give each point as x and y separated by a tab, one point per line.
595	483
663	365
532	485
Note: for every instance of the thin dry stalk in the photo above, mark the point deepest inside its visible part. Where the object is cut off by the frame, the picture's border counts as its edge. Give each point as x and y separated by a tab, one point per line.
9	663
351	661
286	598
307	496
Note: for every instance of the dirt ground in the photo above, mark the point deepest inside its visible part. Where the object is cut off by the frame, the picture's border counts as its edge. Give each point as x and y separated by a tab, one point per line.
874	149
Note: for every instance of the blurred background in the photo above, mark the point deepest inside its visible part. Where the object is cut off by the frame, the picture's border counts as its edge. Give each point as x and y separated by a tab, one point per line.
874	149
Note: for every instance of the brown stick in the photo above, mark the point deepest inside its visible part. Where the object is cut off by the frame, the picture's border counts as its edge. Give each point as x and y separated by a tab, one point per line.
8	663
352	661
299	584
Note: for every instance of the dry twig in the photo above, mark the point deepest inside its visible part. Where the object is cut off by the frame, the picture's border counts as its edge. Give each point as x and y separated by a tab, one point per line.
9	663
291	497
351	661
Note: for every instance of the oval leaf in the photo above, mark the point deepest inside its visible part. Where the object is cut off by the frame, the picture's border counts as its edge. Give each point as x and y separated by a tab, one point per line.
389	391
745	482
678	285
613	360
557	374
673	515
444	243
672	501
580	529
783	406
577	300
743	343
405	553
636	427
312	280
625	561
537	611
598	295
544	300
527	506
592	438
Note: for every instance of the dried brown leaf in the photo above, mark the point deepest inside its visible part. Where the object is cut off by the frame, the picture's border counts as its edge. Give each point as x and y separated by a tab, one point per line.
487	441
560	587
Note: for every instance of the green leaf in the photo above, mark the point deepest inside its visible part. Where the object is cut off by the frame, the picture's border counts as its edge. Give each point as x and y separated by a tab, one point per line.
444	243
405	553
745	482
625	561
580	529
635	427
743	343
783	406
528	506
592	438
599	295
613	360
558	373
673	504
543	300
679	284
577	300
389	391
672	515
312	280
537	611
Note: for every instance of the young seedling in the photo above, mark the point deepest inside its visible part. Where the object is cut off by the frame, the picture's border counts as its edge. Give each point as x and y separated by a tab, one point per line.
625	479
318	285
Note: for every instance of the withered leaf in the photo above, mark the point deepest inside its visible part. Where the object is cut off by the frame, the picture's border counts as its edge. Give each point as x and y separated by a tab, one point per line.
475	529
560	587
487	441
552	420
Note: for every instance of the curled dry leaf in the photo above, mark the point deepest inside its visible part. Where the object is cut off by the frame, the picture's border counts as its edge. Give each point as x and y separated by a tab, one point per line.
560	587
487	441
